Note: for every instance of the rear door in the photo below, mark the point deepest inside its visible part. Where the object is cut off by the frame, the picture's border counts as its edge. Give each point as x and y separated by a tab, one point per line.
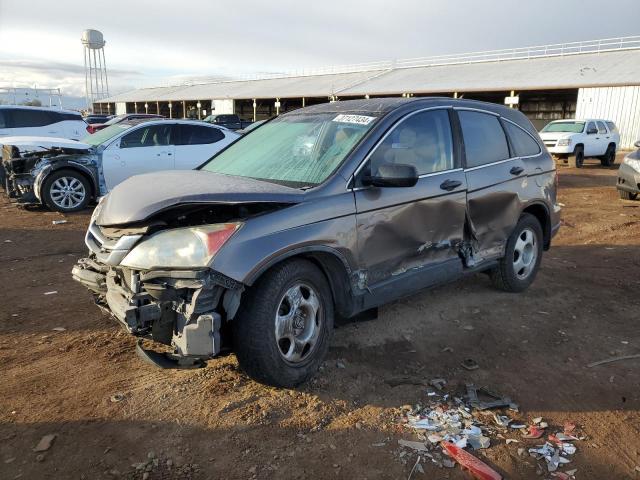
604	137
592	140
197	143
494	179
408	237
145	149
4	127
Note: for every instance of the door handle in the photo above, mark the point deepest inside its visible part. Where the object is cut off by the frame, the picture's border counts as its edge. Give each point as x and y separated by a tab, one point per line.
516	170
449	185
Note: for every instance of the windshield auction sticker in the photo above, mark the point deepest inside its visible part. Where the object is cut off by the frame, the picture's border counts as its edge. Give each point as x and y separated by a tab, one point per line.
355	119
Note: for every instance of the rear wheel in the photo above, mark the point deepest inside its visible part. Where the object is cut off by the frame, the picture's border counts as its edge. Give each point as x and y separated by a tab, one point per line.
578	157
282	330
627	195
609	158
66	191
518	268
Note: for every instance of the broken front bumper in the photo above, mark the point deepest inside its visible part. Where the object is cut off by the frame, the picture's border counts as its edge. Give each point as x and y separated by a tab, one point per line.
181	308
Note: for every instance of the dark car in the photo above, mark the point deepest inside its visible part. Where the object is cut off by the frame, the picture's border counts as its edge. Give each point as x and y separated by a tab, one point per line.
94	127
97	118
230	121
628	184
326	211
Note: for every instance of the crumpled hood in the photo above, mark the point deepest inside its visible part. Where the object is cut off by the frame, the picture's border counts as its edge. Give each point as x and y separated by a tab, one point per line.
141	196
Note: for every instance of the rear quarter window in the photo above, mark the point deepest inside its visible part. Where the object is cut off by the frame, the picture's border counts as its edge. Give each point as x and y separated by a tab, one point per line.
484	138
612	127
523	144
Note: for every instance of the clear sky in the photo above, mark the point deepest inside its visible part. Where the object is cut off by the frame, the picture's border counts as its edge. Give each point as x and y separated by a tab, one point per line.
160	42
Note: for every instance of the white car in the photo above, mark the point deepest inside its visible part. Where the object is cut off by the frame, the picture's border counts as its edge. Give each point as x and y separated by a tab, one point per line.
582	138
65	175
40	122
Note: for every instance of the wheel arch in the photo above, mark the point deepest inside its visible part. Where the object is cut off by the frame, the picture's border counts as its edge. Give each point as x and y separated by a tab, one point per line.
541	213
331	263
74	167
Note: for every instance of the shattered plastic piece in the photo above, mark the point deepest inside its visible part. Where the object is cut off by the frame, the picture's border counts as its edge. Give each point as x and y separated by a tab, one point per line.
417	446
448	463
517	426
511	440
479	442
438	383
534	432
476	467
502	420
494	400
470	364
613	359
537	420
434	438
45	443
569	427
59	329
58	222
543	425
52	292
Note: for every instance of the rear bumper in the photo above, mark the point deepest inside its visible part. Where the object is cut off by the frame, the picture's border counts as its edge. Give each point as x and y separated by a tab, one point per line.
628	179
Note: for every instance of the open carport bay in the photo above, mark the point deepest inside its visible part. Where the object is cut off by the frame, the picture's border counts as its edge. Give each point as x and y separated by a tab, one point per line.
110	411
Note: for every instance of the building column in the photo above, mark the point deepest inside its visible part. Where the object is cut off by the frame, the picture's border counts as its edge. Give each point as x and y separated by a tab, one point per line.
135	107
158	108
277	105
255	106
146	107
303	102
170	110
184	109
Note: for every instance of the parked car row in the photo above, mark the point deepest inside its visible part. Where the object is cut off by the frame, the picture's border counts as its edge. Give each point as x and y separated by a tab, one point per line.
66	175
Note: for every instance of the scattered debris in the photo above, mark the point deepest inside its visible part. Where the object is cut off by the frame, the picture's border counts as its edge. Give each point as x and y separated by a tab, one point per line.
470	364
45	443
58	222
491	399
59	329
613	359
447	349
534	432
417	446
476	467
438	383
52	292
340	364
8	241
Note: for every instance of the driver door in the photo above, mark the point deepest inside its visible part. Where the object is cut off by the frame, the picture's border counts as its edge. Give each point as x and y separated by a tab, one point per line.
145	149
408	236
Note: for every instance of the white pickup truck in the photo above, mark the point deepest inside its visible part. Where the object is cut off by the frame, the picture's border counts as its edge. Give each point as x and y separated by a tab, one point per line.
579	139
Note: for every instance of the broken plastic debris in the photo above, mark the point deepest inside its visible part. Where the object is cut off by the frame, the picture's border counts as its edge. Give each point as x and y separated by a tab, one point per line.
59	329
491	399
58	222
476	467
502	420
537	420
45	443
417	446
534	432
517	426
438	383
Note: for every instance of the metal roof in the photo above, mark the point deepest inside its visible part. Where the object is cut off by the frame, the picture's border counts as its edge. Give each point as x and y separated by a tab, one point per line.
610	62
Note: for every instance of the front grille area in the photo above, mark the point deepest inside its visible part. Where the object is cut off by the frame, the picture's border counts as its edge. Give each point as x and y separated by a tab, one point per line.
550	143
109	251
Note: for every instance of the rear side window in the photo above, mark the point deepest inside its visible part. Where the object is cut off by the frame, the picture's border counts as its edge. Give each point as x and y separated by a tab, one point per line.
601	127
198	135
523	143
150	136
422	140
612	127
23	117
484	138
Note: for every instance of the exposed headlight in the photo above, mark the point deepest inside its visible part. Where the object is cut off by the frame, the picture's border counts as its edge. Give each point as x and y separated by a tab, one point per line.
180	247
564	142
633	163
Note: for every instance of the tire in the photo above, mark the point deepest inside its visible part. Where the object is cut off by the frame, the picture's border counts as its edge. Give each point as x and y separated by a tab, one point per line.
267	353
609	158
72	200
627	195
578	157
518	268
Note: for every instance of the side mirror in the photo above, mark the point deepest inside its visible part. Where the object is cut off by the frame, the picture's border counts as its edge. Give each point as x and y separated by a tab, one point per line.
591	131
393	175
637	144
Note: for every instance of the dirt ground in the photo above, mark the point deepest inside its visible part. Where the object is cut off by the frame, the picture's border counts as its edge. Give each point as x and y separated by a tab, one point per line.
215	423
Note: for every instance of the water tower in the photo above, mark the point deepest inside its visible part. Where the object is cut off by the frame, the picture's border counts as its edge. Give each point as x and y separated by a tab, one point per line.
95	67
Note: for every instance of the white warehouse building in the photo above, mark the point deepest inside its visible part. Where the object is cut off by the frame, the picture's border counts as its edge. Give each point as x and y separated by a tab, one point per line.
589	79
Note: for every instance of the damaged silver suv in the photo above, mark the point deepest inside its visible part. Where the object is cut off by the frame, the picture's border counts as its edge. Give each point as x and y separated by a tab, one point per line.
321	213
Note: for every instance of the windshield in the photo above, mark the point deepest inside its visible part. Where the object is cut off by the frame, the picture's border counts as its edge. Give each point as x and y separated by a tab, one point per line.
568	127
105	134
295	150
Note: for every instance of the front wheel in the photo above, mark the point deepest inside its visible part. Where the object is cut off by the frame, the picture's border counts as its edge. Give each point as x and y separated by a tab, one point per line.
578	157
282	330
66	191
518	268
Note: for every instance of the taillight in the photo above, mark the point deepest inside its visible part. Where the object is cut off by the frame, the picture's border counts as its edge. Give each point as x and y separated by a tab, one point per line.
90	129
